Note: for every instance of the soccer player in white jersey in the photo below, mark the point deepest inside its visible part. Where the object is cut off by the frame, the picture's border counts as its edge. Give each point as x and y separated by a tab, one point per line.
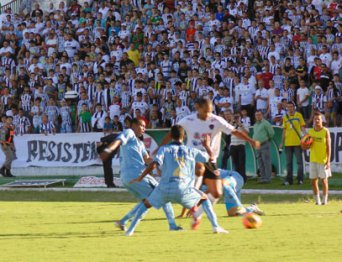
198	126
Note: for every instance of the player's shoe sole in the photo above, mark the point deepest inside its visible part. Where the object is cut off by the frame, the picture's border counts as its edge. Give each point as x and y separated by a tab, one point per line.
220	230
120	226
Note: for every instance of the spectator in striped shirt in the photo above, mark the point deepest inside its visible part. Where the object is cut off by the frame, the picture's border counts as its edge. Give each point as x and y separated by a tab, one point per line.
24	125
47	127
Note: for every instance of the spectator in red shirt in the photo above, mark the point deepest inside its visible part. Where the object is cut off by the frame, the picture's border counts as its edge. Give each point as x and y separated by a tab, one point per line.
266	76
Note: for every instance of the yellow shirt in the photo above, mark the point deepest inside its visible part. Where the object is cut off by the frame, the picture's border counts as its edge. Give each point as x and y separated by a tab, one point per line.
291	137
318	150
134	56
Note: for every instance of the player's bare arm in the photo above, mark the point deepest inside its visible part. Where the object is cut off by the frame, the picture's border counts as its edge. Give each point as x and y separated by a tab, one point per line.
148	170
244	136
327	165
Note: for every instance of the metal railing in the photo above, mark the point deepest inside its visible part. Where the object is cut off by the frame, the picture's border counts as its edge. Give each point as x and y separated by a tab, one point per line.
14	5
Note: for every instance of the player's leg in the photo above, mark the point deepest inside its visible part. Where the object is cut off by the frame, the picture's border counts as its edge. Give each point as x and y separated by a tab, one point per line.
168	210
193	198
289	158
315	190
299	158
123	221
199	173
140	190
314	182
325	188
139	214
211	179
167	207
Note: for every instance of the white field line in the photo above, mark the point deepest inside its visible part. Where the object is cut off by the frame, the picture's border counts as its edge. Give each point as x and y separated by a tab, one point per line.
244	191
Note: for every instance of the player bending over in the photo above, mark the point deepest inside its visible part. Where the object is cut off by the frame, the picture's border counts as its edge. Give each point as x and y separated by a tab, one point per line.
232	183
133	157
177	163
199	125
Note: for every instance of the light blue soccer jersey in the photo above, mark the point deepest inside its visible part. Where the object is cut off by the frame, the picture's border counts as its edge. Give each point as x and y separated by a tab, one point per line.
232	184
177	163
132	152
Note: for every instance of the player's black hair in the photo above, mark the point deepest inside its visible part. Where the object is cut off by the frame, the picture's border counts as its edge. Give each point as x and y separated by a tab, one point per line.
177	132
137	121
203	102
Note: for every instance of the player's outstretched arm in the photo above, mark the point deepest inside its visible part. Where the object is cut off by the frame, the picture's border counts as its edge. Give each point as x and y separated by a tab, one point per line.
244	136
147	170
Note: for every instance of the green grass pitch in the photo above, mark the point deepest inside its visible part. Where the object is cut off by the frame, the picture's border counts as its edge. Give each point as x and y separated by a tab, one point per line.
79	227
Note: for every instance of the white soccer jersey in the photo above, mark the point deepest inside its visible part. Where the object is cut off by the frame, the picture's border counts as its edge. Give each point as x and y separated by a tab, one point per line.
196	129
142	106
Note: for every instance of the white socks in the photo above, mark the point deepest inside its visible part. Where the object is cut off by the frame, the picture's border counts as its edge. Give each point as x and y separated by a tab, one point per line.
317	199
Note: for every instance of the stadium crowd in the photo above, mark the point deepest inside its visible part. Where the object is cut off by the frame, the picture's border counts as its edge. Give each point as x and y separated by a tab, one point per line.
92	67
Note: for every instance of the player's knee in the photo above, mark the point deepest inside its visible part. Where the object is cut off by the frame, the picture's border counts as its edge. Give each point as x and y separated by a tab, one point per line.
232	212
216	194
200	169
147	204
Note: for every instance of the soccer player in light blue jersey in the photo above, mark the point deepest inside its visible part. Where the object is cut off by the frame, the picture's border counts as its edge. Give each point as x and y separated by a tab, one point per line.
232	183
133	158
177	163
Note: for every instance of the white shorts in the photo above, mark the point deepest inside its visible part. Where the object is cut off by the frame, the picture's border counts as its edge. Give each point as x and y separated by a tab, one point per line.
319	171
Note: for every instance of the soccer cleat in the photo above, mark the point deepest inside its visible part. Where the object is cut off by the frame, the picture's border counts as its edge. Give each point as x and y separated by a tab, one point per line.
240	211
286	183
257	210
128	233
196	221
220	230
176	228
318	203
8	173
119	225
300	182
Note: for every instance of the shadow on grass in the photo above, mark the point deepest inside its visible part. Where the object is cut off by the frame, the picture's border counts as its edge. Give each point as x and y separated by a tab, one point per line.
57	235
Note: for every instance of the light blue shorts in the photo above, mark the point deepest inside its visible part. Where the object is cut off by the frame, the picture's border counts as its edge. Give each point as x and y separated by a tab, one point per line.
187	198
143	189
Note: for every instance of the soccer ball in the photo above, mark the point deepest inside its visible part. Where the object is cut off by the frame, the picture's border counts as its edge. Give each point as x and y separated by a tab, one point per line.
306	142
251	221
